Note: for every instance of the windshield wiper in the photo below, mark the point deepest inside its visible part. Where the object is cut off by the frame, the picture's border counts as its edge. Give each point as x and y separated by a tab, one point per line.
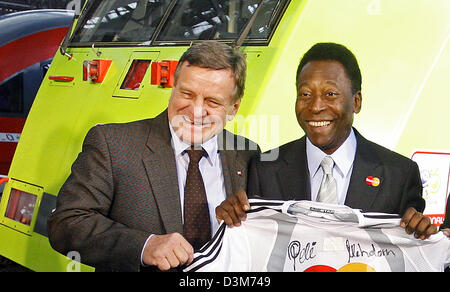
240	40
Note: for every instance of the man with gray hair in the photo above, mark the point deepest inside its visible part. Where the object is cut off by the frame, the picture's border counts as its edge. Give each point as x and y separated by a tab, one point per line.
142	195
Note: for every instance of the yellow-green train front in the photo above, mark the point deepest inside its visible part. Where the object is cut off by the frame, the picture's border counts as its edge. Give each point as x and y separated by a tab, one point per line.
113	70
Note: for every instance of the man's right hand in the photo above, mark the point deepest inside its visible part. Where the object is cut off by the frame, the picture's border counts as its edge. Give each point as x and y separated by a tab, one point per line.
232	210
168	251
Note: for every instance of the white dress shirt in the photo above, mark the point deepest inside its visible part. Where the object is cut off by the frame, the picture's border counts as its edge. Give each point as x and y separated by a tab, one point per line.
343	164
211	170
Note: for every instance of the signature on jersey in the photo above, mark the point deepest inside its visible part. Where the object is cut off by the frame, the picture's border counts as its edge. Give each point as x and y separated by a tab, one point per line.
301	253
355	250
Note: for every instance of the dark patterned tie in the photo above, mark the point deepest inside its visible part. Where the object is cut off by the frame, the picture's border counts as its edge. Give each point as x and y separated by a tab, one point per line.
197	229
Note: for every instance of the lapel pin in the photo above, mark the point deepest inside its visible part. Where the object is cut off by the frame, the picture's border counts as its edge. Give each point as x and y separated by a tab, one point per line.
239	172
372	181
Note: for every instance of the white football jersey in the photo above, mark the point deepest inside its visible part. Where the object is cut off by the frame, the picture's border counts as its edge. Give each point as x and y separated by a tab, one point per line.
311	236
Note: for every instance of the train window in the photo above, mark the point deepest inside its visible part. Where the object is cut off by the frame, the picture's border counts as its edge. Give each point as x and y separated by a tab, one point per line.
21	206
120	21
165	22
135	74
11	95
220	20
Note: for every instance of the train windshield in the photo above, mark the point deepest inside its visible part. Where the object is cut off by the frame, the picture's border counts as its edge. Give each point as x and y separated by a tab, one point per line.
169	22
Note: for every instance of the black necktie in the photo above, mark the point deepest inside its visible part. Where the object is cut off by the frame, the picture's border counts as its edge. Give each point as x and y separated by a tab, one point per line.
197	229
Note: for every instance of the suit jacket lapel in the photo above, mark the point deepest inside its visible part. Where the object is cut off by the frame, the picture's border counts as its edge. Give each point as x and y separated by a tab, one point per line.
233	168
360	194
162	174
293	174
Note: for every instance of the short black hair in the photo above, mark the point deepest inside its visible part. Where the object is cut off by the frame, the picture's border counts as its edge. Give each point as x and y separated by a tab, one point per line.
333	52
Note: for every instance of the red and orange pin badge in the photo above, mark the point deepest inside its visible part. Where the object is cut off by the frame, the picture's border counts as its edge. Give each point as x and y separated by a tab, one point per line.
372	181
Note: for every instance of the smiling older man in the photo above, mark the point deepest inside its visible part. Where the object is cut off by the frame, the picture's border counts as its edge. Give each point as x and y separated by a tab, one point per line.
144	193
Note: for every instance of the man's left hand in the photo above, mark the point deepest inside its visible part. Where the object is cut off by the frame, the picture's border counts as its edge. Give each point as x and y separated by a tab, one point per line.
415	222
446	231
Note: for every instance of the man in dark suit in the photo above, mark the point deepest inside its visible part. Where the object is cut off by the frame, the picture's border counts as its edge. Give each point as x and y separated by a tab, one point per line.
124	206
362	174
446	225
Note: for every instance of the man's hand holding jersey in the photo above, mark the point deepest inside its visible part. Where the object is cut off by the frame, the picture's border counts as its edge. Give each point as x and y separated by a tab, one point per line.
446	231
232	211
415	222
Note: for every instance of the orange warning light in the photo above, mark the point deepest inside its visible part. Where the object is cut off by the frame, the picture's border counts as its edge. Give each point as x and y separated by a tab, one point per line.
162	73
95	70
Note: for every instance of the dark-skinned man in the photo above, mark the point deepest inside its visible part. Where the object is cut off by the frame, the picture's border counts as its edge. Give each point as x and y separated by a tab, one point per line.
362	174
